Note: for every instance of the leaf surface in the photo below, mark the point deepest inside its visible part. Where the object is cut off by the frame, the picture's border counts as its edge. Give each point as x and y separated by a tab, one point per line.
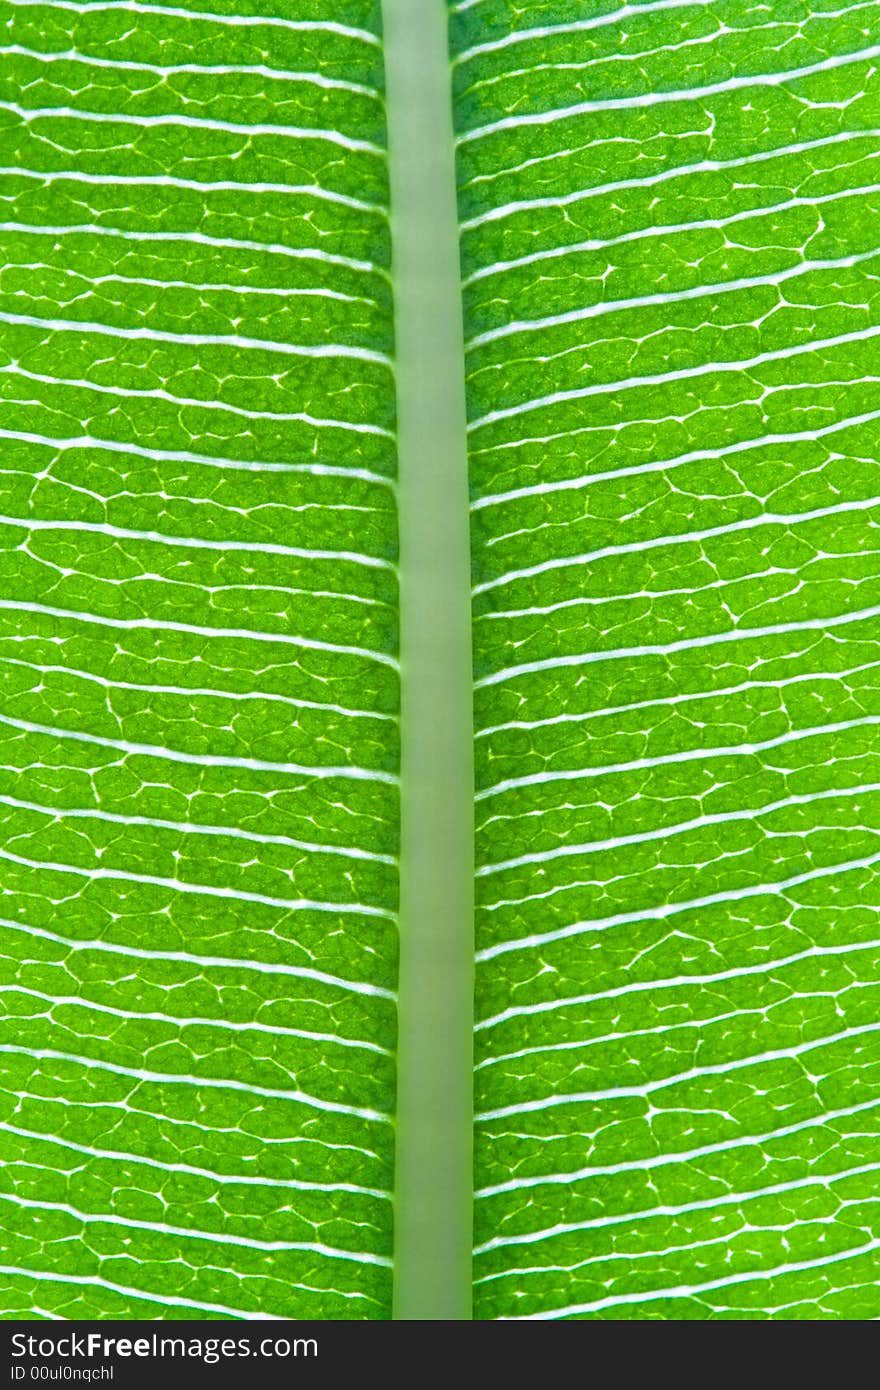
198	642
669	231
668	218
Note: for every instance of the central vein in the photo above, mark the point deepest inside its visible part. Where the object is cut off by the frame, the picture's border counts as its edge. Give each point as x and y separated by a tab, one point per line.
434	1167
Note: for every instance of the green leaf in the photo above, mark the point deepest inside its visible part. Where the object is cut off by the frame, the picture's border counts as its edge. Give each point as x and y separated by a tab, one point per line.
671	287
669	273
198	653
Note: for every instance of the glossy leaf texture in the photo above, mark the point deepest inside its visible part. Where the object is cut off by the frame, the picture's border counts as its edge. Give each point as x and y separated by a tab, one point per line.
198	635
670	242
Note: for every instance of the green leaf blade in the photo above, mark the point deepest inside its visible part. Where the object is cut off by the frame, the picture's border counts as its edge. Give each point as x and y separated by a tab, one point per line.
198	647
671	314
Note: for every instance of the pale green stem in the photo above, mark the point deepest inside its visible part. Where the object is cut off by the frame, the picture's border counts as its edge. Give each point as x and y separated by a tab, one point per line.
434	1152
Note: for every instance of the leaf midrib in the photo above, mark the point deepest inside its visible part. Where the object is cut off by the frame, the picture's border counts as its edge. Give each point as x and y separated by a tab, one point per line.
434	1197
